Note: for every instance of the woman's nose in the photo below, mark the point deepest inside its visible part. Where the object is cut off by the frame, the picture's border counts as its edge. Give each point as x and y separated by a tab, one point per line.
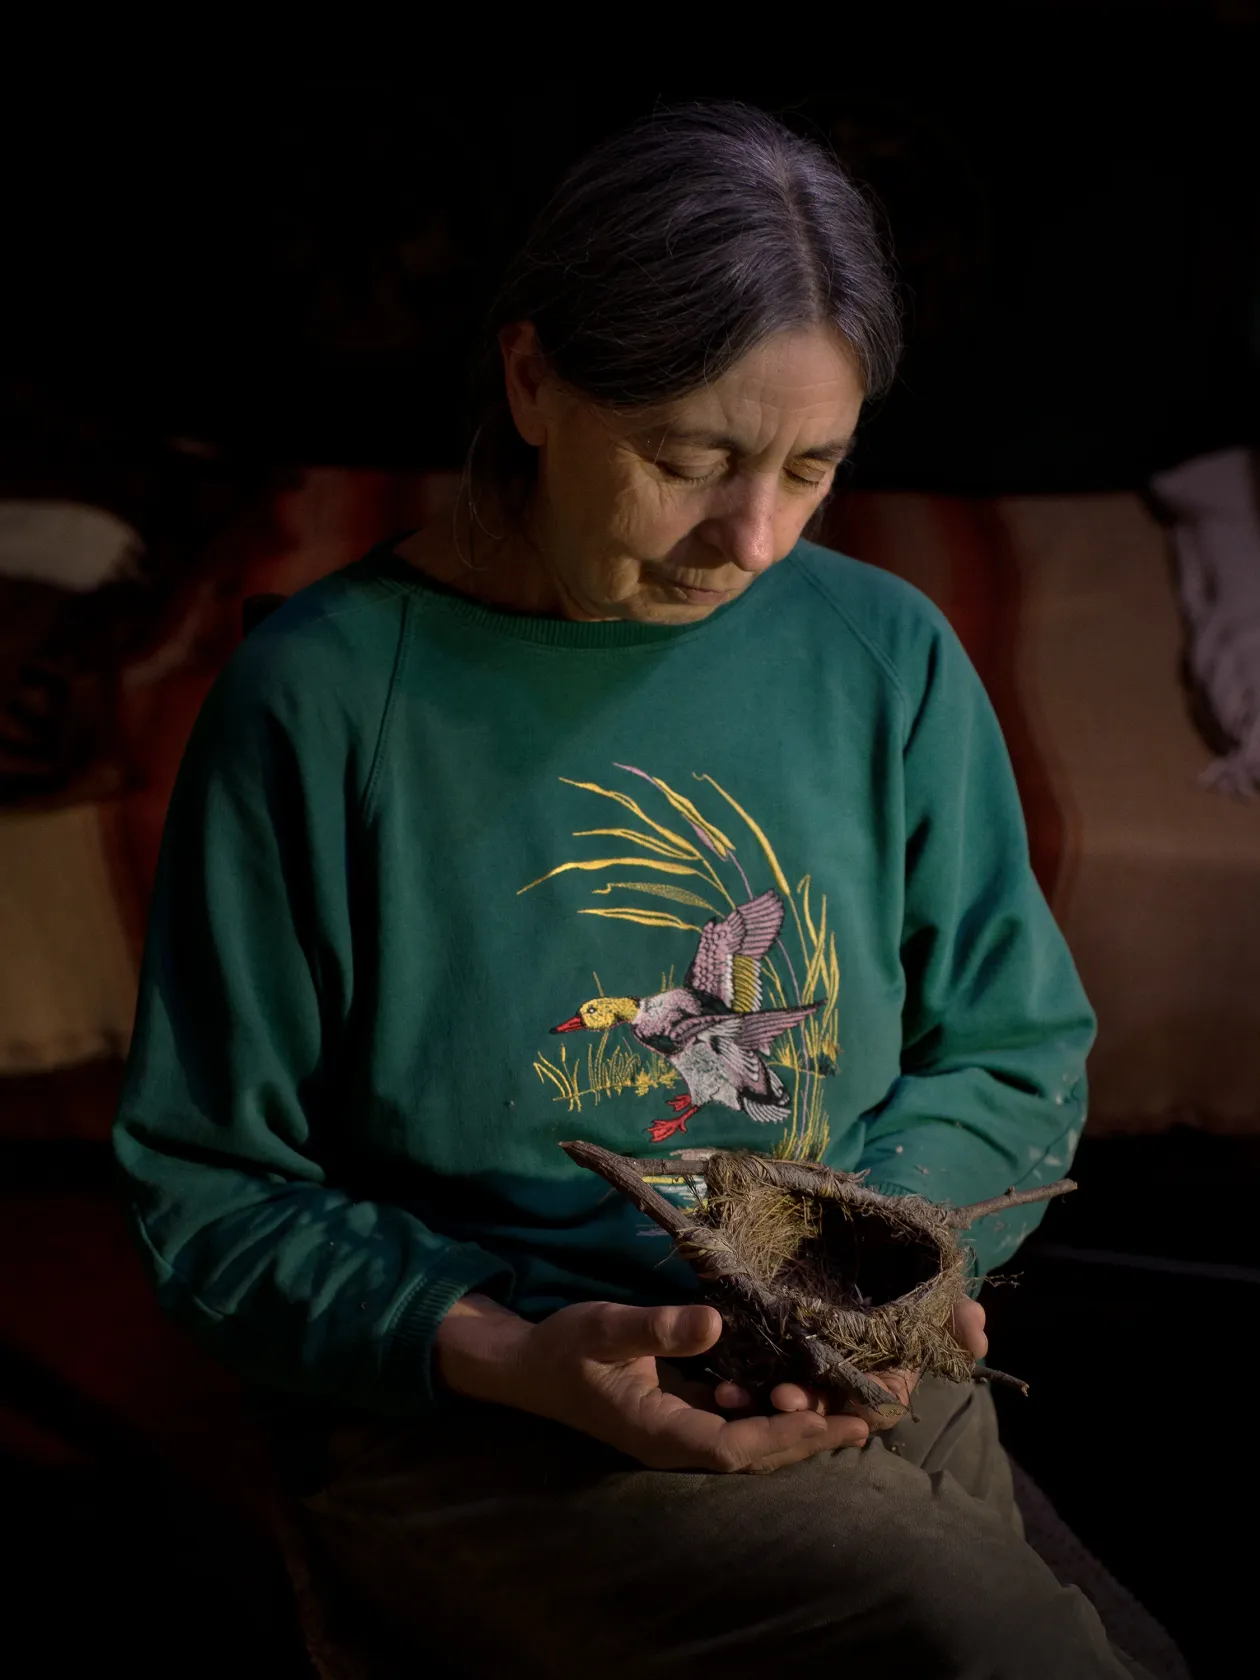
745	530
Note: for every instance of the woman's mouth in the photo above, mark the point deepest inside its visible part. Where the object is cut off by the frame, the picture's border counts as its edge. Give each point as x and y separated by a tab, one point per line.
694	591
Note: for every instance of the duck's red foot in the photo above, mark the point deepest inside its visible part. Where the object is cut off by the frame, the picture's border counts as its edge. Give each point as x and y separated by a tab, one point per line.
659	1130
679	1103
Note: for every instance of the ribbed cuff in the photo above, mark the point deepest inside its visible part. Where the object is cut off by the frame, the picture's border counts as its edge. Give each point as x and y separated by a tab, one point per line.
407	1365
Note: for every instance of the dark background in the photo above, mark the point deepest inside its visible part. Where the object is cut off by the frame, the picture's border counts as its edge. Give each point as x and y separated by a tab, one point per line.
295	274
1074	197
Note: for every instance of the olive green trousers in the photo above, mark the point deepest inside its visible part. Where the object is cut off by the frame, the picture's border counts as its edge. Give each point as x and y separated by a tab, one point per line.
497	1543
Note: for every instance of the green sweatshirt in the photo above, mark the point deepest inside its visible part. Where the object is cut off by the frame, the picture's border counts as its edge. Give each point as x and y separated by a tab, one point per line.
411	836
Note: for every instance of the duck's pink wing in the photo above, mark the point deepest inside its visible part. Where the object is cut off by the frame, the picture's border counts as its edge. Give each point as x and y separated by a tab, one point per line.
750	1032
749	931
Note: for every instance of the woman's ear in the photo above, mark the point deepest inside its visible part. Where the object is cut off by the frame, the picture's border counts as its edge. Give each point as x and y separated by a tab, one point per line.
525	379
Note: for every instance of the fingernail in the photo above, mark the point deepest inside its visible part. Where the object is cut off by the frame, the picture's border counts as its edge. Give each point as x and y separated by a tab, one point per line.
696	1323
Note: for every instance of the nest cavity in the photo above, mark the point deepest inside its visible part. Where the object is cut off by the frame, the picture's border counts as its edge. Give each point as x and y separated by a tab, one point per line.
876	1276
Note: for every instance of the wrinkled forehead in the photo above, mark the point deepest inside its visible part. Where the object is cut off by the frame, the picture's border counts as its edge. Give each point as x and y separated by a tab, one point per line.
799	390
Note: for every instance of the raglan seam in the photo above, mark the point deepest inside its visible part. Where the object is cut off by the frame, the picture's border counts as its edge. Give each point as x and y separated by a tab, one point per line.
367	803
877	653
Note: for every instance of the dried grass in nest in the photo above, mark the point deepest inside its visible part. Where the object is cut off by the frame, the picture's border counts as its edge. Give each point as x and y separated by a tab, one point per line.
818	1279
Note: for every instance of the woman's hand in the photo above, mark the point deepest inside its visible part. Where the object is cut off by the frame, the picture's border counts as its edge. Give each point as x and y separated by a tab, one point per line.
968	1328
593	1366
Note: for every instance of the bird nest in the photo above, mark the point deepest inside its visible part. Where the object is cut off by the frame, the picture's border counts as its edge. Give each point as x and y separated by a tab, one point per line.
819	1280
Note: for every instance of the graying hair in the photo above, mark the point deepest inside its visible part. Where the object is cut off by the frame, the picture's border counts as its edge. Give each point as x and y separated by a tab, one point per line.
672	249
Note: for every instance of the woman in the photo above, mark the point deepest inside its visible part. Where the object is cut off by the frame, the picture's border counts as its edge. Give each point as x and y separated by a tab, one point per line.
459	840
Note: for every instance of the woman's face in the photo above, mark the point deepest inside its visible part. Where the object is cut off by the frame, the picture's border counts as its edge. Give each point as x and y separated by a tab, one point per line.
660	517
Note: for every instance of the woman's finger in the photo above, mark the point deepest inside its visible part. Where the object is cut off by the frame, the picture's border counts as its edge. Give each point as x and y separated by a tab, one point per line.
840	1431
968	1327
730	1397
686	1438
771	1442
791	1397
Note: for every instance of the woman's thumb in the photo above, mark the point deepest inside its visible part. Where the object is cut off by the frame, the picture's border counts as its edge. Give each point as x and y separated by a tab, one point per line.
655	1332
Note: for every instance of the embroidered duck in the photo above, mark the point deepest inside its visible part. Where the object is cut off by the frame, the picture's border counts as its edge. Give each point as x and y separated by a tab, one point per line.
712	1028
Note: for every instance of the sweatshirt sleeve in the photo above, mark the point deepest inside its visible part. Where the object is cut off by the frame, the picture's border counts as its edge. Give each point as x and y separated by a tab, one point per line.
996	1026
243	1022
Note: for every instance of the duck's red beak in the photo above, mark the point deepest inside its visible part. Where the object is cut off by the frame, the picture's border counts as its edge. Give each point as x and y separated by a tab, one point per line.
574	1024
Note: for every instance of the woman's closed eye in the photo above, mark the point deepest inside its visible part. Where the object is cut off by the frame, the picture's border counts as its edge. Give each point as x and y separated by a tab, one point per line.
684	477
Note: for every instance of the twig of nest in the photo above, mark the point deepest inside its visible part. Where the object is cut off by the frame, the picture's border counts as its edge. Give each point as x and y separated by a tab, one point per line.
818	1279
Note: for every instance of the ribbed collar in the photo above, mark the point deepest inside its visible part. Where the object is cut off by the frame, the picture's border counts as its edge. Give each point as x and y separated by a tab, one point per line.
442	602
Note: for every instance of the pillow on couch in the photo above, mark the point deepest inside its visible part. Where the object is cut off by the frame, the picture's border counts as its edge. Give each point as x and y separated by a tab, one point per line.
1212	504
